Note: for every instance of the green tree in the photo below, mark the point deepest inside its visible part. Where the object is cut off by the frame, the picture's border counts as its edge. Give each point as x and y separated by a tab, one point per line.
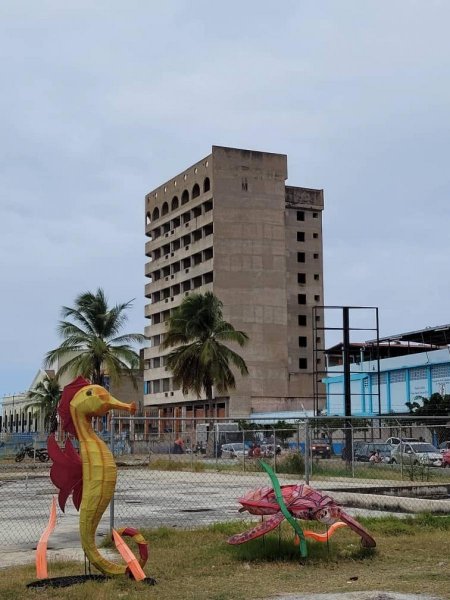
44	399
284	430
91	341
329	425
201	359
434	406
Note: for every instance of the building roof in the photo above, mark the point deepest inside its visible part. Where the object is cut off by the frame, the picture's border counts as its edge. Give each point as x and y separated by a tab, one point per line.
432	336
268	418
386	349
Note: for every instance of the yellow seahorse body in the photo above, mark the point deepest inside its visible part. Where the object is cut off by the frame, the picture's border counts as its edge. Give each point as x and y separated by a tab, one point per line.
99	469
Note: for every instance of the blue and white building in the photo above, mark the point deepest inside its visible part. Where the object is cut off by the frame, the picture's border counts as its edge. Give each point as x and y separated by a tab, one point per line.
401	379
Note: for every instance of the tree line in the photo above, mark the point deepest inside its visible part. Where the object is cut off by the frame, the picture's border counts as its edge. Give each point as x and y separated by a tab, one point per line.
94	347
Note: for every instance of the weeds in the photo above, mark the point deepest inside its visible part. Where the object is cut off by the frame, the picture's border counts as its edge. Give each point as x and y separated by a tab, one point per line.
200	564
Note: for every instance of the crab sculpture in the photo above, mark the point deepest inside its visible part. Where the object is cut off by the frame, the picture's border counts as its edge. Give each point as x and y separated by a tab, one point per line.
294	502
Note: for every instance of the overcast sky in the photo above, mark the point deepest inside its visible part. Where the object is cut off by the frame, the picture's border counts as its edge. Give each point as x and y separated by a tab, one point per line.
103	101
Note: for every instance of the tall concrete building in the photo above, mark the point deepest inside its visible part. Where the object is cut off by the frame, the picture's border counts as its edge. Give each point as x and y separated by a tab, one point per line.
229	224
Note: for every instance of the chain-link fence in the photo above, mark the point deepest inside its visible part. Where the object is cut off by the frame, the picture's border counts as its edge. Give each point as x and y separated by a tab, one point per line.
185	473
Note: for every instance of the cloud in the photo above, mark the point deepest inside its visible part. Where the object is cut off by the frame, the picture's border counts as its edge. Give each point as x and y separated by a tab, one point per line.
103	102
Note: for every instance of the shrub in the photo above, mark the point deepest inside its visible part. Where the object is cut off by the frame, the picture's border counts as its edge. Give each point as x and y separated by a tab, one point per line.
291	463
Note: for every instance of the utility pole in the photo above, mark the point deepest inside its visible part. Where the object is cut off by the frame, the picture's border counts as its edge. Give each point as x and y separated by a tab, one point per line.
347	384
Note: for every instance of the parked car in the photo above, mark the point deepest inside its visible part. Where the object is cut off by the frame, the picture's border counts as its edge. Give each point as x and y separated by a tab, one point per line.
444	446
235	450
364	451
417	453
356	446
268	450
320	448
446	459
395	441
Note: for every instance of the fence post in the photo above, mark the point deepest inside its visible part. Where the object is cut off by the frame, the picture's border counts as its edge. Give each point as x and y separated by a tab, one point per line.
111	504
274	450
401	449
307	452
216	442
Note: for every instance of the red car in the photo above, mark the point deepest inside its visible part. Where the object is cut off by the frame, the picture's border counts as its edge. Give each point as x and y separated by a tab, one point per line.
446	459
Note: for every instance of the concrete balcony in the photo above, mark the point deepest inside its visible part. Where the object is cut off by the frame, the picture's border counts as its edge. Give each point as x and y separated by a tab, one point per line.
164	398
158	285
148	289
202	220
201	244
200	269
158	372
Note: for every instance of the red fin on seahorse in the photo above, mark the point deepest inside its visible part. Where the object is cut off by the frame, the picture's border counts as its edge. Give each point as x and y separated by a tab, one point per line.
66	472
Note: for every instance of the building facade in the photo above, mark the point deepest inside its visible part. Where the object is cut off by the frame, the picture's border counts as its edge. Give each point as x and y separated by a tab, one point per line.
18	416
402	379
229	224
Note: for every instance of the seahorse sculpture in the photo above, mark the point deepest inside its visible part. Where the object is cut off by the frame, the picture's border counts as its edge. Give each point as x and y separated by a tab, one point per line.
91	475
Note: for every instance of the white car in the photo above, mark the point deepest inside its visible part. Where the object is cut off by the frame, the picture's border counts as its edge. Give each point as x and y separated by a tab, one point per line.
235	450
417	453
395	441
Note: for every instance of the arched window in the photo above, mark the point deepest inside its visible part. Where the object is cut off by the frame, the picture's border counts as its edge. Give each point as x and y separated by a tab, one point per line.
155	214
184	197
206	185
165	209
196	191
148	219
175	203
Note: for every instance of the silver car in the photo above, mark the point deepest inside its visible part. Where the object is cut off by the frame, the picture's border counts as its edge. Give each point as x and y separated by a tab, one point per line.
417	453
233	450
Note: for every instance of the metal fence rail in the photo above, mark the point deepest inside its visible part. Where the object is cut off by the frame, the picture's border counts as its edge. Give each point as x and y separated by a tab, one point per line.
185	476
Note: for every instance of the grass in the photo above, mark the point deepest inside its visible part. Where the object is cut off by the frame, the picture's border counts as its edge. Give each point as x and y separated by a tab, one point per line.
293	463
326	469
412	555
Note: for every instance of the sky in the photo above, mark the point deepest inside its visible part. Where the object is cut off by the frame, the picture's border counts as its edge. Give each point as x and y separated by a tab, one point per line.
103	101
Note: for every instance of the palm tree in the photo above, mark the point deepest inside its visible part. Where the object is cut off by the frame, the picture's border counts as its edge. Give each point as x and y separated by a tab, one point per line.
92	335
44	399
200	360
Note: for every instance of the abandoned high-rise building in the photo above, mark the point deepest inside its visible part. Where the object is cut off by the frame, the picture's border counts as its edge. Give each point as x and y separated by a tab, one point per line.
229	224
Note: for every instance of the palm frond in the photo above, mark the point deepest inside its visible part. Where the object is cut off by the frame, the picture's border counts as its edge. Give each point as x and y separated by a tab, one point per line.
78	317
116	318
136	338
90	331
199	360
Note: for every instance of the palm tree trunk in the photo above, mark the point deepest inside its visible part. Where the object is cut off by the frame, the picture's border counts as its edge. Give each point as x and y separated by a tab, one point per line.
97	376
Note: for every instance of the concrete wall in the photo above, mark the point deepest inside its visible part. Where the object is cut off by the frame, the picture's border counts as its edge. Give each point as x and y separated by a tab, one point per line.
250	265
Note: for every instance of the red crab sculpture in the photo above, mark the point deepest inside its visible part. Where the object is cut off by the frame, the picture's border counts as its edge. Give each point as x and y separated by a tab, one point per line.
300	502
